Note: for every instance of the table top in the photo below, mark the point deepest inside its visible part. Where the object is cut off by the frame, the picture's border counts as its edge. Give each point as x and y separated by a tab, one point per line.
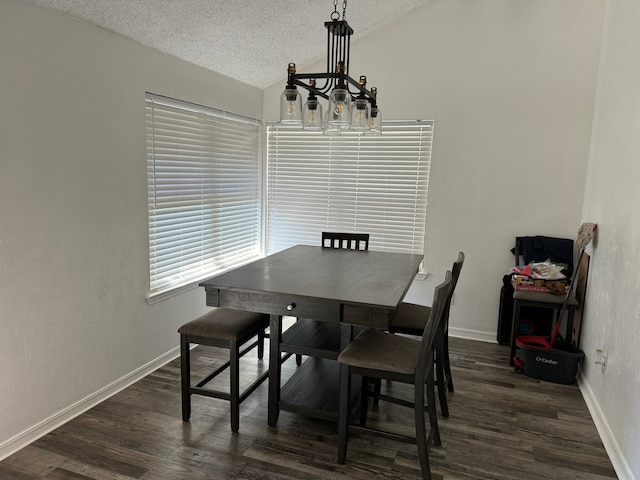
353	277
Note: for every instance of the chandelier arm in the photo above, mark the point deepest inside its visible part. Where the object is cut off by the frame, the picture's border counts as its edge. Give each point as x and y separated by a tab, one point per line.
328	85
321	91
359	86
311	89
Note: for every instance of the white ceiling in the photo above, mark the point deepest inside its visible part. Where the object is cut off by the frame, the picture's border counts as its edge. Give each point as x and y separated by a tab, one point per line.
250	40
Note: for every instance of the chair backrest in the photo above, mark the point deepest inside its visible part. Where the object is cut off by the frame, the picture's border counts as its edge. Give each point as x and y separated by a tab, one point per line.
441	297
455	275
351	241
586	233
456	269
540	248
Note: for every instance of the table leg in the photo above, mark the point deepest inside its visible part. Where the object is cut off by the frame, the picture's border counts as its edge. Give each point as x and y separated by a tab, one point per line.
344	409
515	320
568	333
275	337
346	335
343	412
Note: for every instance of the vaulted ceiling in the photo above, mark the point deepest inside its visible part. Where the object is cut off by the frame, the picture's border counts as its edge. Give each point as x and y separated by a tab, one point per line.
249	40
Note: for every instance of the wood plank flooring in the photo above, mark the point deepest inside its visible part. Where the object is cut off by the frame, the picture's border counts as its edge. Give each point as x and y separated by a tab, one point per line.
502	425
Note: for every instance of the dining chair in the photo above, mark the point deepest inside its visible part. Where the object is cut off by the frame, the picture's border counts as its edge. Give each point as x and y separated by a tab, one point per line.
382	355
410	319
353	241
224	328
322	339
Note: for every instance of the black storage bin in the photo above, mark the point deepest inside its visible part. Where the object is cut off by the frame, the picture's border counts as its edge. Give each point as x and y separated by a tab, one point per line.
561	364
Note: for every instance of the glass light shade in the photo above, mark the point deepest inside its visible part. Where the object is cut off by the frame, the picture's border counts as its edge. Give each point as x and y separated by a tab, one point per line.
291	106
312	115
339	108
331	130
360	115
375	122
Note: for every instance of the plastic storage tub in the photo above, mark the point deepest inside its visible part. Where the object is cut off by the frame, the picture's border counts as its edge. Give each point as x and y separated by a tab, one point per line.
561	364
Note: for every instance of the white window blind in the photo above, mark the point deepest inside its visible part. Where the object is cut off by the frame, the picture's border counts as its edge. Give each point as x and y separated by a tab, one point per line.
349	183
204	190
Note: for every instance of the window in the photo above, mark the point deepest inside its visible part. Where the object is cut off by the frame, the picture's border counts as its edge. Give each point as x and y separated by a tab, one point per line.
351	183
204	190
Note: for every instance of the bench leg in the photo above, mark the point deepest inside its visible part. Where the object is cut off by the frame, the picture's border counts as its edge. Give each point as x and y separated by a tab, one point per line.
185	377
261	337
234	370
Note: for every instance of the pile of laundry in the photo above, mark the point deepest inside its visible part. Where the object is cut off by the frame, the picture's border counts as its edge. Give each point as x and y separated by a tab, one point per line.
544	276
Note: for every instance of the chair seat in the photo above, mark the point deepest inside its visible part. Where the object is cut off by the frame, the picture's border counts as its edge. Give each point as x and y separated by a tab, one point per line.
225	324
410	317
376	350
542	297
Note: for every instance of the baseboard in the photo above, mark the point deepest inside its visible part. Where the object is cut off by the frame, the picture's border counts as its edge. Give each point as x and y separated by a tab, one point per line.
489	337
30	435
606	435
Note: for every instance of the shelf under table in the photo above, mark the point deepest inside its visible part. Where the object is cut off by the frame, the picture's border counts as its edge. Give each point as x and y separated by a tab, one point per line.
314	389
313	338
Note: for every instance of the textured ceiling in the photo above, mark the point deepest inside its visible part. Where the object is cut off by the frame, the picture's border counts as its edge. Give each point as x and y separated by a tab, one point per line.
249	40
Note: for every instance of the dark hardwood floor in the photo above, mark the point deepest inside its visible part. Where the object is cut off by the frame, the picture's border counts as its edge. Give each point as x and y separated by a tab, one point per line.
502	426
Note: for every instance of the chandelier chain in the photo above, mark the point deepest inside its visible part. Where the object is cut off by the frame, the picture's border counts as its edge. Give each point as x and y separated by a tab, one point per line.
335	15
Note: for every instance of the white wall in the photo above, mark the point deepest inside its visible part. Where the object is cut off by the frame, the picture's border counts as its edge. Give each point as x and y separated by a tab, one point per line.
73	213
511	87
612	198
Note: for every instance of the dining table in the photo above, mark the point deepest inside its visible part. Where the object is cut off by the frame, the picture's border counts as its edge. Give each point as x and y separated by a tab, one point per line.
337	288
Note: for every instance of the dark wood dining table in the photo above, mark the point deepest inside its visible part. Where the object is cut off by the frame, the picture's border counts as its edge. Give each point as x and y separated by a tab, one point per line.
345	287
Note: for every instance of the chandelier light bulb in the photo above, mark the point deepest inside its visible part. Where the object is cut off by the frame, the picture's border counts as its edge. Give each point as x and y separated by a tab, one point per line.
291	106
375	122
312	115
340	107
360	120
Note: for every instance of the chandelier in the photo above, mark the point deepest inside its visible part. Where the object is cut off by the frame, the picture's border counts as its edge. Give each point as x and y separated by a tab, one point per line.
351	105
